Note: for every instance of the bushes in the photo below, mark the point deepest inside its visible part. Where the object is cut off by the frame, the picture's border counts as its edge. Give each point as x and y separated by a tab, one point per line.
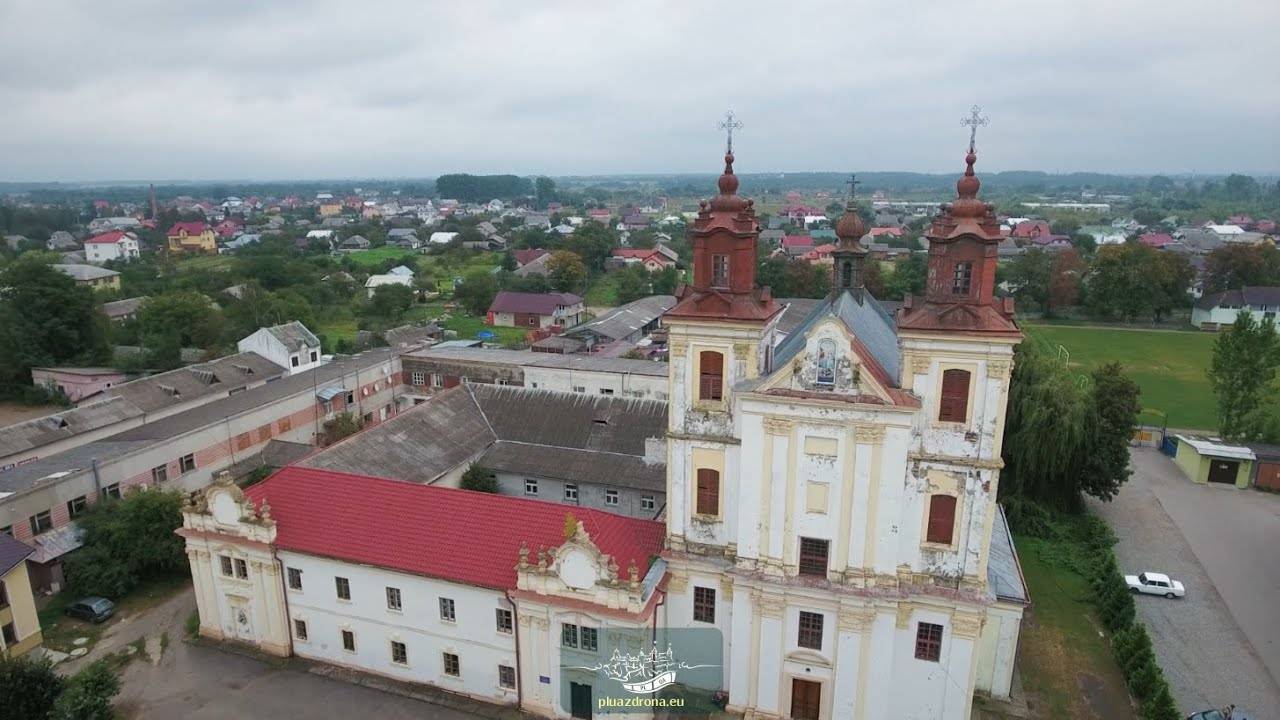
31	690
480	479
127	541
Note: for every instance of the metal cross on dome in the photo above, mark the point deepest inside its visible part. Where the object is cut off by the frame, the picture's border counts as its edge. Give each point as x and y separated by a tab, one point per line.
853	182
729	124
975	119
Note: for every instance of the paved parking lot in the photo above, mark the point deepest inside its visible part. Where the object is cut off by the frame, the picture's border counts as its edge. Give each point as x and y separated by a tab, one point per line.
1221	644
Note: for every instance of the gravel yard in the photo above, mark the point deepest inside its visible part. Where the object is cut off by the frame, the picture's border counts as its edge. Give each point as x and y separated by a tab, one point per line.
1221	644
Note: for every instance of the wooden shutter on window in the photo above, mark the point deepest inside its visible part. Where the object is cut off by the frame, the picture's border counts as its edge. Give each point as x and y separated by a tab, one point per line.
711	375
942	519
708	501
954	404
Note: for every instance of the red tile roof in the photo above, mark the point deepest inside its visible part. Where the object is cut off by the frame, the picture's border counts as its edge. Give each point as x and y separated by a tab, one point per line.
1031	228
878	231
524	257
535	303
192	228
797	241
459	535
108	238
1155	240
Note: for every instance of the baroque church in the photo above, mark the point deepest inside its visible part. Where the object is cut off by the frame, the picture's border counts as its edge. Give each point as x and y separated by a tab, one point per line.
831	522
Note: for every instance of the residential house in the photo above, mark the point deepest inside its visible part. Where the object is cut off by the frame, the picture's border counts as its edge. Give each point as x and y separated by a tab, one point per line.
653	259
90	276
589	451
77	383
600	215
407	337
401	270
227	228
19	623
1104	234
330	208
192	237
404	237
536	266
1028	229
772	238
487	228
107	224
242	241
290	345
1212	312
355	243
797	245
373	282
121	310
524	257
114	245
538	220
534	310
1156	240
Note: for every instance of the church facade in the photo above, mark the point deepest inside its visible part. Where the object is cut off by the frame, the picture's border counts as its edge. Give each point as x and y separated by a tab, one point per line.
831	515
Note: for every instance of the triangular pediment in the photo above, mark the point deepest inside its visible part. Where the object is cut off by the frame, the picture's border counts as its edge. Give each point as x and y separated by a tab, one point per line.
830	364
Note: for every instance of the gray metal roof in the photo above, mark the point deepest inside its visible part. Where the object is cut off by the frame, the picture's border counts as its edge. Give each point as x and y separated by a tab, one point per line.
80	459
527	358
795	312
624	320
84	272
12	552
566	436
41	431
121	308
865	318
294	336
1004	573
174	387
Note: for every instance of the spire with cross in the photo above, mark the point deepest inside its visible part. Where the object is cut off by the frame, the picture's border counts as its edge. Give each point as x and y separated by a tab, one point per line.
853	182
974	121
729	124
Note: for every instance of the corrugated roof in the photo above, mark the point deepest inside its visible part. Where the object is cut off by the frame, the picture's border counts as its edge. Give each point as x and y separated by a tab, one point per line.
626	319
457	535
41	431
525	358
294	335
12	552
185	384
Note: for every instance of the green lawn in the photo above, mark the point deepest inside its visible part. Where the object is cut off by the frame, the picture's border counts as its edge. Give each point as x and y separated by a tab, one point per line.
1063	657
216	263
1169	366
603	292
377	256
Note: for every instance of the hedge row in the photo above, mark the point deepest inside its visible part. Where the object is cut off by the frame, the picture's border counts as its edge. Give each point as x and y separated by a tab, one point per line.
1130	643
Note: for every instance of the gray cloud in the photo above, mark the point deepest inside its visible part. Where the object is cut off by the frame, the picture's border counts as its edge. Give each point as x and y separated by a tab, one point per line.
137	89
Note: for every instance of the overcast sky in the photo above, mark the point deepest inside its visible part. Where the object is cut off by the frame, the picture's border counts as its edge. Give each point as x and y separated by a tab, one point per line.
142	90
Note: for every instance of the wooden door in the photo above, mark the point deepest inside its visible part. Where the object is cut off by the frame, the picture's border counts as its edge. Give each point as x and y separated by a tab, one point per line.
806	699
580	700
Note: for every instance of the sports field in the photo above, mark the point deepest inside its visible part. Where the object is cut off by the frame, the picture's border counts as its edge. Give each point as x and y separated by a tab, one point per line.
1169	366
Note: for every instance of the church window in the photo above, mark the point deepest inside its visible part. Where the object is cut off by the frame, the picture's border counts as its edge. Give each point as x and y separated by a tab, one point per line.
953	406
452	666
447	611
503	620
226	565
929	642
720	271
710	375
242	569
344	588
942	519
962	278
393	599
846	274
300	629
708	500
813	556
569	635
295	579
704	604
507	677
399	653
348	641
810	631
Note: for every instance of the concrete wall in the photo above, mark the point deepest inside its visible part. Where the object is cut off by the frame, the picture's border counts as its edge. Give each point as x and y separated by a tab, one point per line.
473	636
649	387
1218	316
590	495
21	612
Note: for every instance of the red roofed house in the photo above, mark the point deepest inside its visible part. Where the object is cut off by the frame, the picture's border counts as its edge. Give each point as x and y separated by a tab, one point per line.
471	592
876	232
524	257
1028	229
796	245
820	255
1156	240
534	310
115	245
227	228
192	237
653	259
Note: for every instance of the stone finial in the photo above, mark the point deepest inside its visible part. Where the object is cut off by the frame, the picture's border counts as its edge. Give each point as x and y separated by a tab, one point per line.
524	554
633	572
542	558
613	568
265	511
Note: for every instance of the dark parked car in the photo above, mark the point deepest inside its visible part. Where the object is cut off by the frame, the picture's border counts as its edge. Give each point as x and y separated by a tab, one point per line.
93	609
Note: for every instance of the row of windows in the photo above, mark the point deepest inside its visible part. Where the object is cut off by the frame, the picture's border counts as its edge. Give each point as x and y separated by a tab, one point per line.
293	359
611	498
581	638
395	600
451	663
42	521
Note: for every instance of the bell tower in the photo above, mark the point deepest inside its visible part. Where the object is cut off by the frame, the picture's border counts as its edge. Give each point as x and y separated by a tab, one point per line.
849	257
720	335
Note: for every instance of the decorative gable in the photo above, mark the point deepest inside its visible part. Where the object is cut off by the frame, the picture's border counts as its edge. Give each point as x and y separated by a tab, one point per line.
579	570
830	364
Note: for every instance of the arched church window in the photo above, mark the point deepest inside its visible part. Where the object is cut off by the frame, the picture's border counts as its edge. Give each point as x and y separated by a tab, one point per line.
963	278
953	406
942	519
710	375
846	274
720	271
708	500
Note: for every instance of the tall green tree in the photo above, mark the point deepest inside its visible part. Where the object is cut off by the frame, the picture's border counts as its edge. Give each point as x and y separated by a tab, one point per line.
390	301
566	271
592	242
127	541
1029	276
908	277
190	316
28	687
1114	409
1246	357
476	291
1236	265
46	319
544	191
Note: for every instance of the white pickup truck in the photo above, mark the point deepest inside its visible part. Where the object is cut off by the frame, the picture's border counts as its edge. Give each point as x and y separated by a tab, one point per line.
1155	584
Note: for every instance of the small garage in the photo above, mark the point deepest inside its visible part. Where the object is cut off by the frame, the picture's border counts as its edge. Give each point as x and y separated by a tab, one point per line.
1266	472
1210	460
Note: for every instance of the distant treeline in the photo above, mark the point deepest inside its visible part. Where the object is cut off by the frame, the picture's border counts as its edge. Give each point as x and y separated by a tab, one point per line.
476	188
